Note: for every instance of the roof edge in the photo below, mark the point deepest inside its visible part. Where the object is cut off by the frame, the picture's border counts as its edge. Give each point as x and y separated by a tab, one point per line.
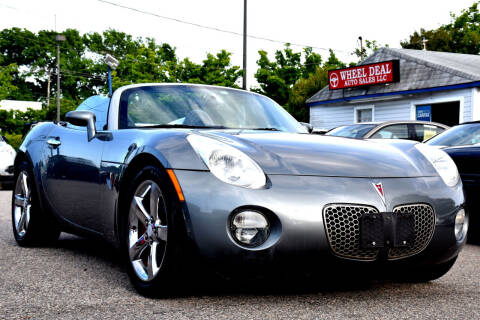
386	94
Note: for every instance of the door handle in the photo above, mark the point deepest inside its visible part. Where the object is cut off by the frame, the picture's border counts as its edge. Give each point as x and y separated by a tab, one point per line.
55	142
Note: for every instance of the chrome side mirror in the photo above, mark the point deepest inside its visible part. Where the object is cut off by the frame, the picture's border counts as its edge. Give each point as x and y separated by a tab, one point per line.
308	126
83	119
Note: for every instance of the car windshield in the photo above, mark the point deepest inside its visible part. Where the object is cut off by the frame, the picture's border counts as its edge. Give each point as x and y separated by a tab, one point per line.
353	131
193	106
462	135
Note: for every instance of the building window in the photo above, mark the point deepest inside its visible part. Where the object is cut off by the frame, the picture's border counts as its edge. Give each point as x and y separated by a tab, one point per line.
363	114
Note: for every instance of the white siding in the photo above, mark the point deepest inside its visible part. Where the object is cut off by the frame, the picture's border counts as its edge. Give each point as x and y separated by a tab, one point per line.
330	116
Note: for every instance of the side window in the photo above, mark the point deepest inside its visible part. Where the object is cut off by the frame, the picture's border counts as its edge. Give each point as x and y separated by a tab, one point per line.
396	131
425	131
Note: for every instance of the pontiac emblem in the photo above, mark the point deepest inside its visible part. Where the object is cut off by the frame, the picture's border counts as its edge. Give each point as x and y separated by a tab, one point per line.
379	188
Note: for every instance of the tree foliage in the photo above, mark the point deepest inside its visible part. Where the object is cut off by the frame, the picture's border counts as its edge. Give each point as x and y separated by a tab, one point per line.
461	35
276	78
28	61
290	79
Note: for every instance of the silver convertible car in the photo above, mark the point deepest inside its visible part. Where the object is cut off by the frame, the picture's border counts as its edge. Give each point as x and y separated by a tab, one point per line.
159	168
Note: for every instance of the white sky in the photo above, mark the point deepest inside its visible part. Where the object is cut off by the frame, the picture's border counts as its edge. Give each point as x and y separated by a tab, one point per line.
325	24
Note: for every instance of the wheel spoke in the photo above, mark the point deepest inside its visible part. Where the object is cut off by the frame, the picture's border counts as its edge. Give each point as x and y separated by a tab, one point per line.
27	215
154	197
152	261
21	221
19	200
137	248
141	212
25	185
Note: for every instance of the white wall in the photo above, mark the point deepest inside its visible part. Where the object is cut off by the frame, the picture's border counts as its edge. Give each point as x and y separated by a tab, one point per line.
20	105
330	116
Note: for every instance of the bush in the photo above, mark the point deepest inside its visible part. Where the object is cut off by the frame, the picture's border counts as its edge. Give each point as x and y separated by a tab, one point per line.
15	140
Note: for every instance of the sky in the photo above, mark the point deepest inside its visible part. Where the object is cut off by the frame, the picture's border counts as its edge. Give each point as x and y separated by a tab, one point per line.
316	23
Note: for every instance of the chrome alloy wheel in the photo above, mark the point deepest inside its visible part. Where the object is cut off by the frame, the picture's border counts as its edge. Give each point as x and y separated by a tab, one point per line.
147	230
22	204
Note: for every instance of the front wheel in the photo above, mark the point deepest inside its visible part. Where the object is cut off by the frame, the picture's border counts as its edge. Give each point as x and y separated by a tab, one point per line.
150	234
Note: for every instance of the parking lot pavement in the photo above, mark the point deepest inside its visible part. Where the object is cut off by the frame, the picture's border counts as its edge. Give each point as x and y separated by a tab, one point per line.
84	279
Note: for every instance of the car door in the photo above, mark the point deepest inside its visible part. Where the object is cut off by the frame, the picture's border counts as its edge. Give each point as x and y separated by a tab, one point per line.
72	176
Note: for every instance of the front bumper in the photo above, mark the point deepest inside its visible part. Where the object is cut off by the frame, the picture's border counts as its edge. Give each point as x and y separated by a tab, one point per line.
298	202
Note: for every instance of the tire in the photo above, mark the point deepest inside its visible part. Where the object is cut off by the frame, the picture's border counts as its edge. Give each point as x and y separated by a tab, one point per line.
31	225
152	241
426	274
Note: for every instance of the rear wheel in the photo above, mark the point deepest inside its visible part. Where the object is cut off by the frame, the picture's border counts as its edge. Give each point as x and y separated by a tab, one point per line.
151	234
31	225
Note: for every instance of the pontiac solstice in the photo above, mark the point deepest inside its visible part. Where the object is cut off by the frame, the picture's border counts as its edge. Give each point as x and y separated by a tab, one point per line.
157	167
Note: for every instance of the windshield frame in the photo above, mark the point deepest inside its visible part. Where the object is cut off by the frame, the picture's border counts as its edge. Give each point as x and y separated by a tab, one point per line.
271	108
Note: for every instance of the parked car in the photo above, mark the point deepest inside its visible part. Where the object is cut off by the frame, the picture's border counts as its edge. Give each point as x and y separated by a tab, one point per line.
7	156
410	130
161	168
462	143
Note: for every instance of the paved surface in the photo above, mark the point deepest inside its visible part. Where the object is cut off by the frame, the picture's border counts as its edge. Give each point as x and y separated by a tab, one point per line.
81	279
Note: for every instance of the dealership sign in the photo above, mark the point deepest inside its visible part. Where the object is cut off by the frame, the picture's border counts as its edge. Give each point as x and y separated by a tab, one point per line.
376	73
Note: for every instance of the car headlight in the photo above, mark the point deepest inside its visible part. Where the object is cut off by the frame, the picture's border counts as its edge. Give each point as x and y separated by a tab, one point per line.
227	163
442	162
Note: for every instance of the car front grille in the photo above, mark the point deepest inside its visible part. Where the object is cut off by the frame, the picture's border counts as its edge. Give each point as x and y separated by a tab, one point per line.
342	224
424	218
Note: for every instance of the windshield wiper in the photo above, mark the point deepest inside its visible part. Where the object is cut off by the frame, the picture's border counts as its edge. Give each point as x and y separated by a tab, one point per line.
185	126
266	129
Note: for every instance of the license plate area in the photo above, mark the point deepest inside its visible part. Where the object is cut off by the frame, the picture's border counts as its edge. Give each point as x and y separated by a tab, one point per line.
387	230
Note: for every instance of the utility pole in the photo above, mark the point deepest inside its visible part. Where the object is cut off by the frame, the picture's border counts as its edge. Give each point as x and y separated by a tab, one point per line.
244	45
361	48
48	88
59	38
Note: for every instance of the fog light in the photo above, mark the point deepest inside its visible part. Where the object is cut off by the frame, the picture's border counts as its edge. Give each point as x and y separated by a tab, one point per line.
461	225
250	228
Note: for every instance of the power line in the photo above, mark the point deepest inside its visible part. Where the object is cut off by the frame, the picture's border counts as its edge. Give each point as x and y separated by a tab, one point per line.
212	28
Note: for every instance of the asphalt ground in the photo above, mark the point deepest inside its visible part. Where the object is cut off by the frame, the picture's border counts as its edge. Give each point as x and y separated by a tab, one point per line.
84	279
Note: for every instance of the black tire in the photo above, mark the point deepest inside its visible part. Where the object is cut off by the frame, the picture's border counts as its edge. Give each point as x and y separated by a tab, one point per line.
426	274
165	282
40	228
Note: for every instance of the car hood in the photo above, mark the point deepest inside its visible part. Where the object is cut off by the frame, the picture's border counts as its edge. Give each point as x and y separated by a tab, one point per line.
304	154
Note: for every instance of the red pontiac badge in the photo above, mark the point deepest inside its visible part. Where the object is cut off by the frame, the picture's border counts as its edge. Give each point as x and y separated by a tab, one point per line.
379	188
369	74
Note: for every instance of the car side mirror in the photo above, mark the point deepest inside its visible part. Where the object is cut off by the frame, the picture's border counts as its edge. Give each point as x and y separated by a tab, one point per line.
308	126
83	119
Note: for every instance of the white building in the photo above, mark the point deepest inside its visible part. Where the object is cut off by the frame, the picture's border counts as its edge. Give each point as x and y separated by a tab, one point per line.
436	86
19	105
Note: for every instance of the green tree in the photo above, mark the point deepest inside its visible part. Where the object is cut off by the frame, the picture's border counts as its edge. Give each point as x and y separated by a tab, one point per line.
276	78
461	35
370	47
6	79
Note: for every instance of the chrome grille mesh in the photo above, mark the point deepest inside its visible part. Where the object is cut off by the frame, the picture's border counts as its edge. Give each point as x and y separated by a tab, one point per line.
342	224
424	218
